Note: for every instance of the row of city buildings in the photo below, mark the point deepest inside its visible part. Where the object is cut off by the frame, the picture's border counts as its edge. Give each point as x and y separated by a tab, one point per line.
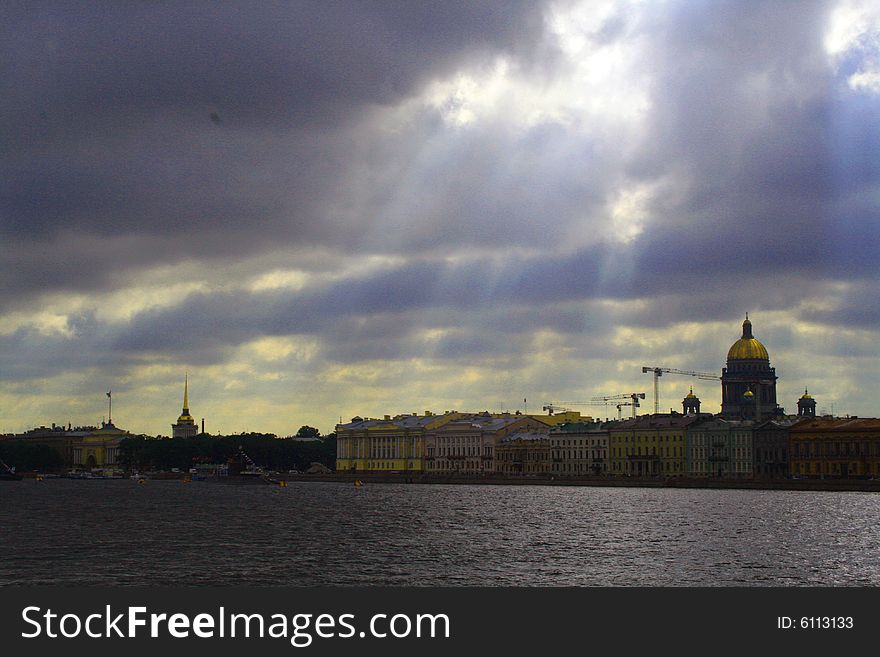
751	437
93	447
656	445
80	447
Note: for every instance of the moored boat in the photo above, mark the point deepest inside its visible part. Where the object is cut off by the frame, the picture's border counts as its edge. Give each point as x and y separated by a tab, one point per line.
7	473
241	469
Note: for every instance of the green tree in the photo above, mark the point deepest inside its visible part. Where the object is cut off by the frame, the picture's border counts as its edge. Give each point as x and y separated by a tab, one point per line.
25	456
266	450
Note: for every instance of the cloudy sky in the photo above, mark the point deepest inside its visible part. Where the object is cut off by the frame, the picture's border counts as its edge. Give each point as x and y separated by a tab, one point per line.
323	209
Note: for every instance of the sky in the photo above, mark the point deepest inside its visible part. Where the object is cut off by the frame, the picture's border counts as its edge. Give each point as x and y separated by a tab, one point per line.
316	210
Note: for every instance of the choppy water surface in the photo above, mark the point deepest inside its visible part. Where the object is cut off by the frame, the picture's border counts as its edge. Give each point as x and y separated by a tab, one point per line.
119	533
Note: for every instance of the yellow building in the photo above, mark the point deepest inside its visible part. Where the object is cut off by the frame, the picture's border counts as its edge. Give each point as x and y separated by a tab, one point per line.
835	447
399	443
649	445
561	417
388	445
99	448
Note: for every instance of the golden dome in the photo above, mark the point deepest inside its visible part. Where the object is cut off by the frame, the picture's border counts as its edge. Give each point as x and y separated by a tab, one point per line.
748	394
806	395
747	347
691	395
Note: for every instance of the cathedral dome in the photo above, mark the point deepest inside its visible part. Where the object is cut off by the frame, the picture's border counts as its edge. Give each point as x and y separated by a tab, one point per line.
747	347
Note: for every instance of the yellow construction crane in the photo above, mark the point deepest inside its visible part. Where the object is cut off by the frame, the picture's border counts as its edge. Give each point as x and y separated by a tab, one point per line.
660	371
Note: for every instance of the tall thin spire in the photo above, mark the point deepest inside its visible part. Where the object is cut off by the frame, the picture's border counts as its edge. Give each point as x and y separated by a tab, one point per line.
186	425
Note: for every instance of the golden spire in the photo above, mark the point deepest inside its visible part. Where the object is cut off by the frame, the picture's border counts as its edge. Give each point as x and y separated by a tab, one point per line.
185	417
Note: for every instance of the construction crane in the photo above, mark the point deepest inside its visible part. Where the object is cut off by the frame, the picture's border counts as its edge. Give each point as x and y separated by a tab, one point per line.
553	407
660	371
620	409
562	407
634	396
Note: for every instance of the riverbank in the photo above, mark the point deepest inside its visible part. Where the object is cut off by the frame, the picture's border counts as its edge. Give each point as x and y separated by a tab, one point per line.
858	485
864	485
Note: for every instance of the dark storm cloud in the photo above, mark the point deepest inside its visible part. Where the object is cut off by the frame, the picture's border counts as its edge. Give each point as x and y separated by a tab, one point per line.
384	315
211	131
214	129
774	157
76	71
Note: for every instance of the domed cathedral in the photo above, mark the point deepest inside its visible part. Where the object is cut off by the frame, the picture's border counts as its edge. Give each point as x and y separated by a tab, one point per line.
748	383
186	425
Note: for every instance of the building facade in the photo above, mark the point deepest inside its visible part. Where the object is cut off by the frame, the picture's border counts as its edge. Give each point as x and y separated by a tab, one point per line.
770	451
80	448
388	445
835	448
720	448
57	438
649	445
524	454
467	445
99	449
579	449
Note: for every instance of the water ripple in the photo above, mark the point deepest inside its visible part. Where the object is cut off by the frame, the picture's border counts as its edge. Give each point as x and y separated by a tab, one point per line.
118	533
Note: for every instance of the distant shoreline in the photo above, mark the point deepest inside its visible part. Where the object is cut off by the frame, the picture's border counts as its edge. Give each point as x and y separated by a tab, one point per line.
854	485
858	485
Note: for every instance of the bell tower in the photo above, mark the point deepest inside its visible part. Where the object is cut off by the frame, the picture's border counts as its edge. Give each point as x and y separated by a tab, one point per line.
806	405
691	404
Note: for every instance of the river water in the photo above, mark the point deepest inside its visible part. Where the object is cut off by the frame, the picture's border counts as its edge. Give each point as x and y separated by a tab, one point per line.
119	533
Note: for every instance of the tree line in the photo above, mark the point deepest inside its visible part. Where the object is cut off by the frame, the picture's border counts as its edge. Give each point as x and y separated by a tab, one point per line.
266	450
26	457
158	453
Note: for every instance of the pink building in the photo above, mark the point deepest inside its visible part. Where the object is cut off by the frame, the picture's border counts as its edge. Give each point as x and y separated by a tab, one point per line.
467	445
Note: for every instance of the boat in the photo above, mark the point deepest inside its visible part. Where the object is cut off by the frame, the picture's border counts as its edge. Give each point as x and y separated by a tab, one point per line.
7	473
241	469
